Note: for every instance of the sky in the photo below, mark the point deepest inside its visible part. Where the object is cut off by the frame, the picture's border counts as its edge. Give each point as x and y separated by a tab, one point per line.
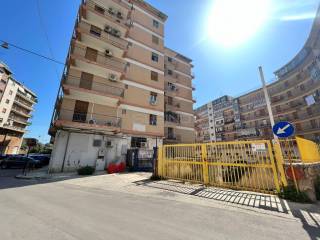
219	70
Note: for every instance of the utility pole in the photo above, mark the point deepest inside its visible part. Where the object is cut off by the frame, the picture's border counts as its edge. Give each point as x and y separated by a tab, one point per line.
267	98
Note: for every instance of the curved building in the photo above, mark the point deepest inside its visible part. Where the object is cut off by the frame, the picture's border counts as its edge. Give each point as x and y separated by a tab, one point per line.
295	97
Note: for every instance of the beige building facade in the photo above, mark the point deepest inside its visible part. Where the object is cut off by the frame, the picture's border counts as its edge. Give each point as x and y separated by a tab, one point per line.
16	106
112	94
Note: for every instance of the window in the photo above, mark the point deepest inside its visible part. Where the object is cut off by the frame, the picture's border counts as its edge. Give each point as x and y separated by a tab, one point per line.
4	110
95	31
309	111
155	57
170	72
302	87
153	120
155	23
313	123
10	92
153	98
124	111
1	120
136	142
155	39
170	59
289	94
97	143
7	101
154	76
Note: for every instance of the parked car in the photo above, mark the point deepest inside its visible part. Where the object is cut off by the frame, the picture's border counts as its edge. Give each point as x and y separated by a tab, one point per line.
43	158
16	161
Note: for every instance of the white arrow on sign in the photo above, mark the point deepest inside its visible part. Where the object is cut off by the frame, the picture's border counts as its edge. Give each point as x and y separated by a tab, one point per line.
283	130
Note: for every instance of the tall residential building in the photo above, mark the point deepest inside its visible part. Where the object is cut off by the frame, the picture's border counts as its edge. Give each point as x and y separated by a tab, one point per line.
113	89
295	97
16	105
179	116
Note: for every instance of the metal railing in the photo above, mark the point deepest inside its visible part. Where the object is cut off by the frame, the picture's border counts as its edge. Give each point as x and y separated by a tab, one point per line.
104	36
20	111
27	97
95	86
92	119
238	165
101	59
117	16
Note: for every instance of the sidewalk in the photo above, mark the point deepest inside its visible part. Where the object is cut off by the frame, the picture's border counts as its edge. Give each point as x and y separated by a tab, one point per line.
43	174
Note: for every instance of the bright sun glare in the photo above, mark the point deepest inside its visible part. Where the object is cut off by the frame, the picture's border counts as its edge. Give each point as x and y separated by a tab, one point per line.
232	22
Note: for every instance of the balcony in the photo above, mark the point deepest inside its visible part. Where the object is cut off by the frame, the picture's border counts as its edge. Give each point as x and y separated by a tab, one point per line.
93	87
19	120
111	14
296	93
118	42
20	112
22	104
27	97
99	59
172	106
14	128
90	121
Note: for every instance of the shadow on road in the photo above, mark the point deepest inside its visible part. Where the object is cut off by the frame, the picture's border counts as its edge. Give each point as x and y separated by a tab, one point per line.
308	214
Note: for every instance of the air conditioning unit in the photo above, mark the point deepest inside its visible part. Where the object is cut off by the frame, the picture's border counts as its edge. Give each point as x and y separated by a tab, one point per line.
108	29
109	123
119	15
143	145
113	77
108	53
111	11
92	121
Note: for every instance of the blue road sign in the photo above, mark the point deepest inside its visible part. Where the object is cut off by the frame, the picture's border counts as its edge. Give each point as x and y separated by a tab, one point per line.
283	129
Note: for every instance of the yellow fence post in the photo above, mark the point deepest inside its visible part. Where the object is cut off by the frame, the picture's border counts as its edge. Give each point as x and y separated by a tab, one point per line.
273	166
160	162
205	167
280	162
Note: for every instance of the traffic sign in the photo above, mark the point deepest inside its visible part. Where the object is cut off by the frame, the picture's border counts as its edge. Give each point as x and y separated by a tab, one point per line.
283	129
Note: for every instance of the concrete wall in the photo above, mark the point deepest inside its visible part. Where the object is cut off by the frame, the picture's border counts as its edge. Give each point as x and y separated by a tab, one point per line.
81	152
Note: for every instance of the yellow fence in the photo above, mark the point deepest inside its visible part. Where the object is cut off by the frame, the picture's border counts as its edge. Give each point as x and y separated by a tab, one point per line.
237	165
300	150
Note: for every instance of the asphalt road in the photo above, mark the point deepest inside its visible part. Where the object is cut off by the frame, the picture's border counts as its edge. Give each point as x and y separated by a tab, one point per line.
63	210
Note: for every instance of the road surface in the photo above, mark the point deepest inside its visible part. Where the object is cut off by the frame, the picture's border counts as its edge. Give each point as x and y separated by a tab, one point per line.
107	207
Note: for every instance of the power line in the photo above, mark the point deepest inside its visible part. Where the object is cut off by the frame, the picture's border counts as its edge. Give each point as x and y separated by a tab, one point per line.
43	26
31	52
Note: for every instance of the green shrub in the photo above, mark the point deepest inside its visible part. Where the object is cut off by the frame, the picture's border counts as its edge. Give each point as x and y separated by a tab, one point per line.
290	193
317	187
86	170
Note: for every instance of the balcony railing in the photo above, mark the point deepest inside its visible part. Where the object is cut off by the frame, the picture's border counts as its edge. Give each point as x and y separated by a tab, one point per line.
294	94
173	137
100	59
27	97
13	127
19	119
22	104
102	35
21	111
95	86
110	13
90	119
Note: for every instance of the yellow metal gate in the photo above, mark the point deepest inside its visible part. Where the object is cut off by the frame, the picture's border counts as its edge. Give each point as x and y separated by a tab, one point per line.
243	165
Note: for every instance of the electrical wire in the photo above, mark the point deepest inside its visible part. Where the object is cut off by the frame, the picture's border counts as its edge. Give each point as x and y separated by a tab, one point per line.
32	52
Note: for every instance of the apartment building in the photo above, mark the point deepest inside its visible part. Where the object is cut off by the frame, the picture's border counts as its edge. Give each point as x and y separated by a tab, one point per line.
179	116
16	105
212	118
113	89
295	97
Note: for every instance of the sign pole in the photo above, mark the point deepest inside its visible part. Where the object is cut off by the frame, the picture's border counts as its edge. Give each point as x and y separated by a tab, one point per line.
267	98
